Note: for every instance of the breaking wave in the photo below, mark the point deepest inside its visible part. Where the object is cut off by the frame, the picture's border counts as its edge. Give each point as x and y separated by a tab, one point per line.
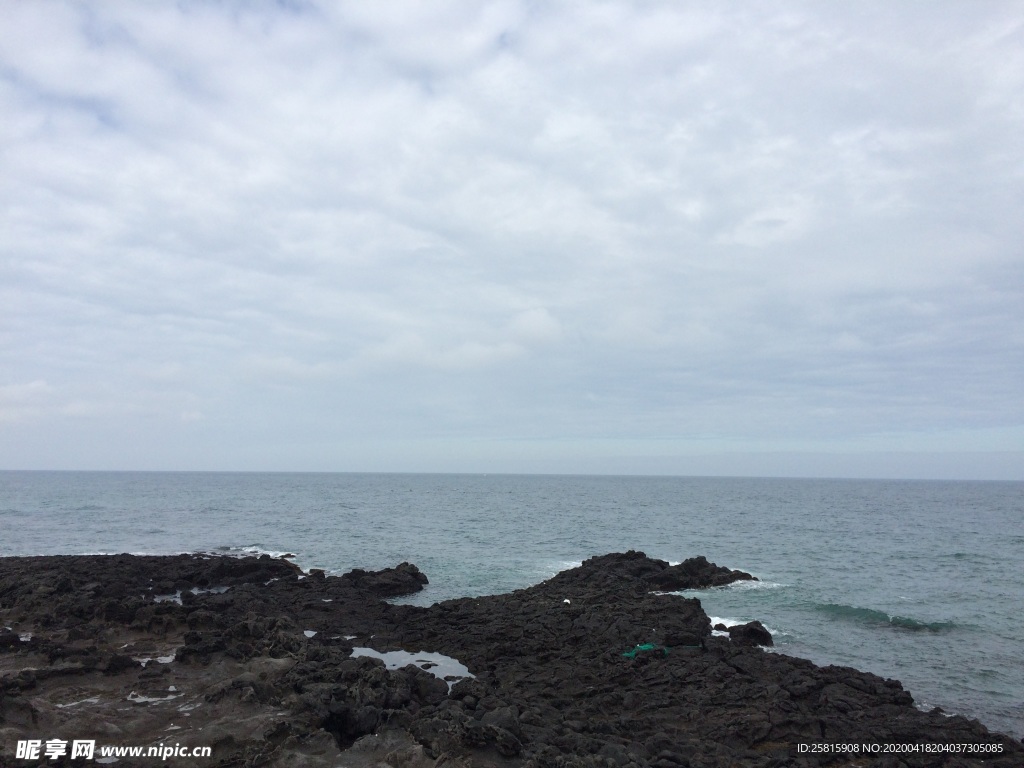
874	618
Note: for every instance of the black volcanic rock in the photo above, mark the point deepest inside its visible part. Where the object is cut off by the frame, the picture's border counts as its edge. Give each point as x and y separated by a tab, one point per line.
403	579
8	639
751	633
635	571
695	573
255	659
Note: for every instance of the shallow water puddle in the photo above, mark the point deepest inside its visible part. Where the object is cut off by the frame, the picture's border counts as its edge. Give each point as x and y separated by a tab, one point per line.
144	660
440	666
176	597
90	700
139	699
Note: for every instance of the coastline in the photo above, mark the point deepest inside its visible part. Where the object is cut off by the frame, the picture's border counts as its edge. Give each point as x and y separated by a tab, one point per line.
255	659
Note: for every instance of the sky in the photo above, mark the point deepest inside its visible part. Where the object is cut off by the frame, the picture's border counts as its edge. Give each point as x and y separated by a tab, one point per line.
712	238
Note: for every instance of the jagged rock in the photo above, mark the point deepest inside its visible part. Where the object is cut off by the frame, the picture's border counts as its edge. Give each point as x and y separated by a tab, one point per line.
751	633
265	668
403	579
8	639
695	573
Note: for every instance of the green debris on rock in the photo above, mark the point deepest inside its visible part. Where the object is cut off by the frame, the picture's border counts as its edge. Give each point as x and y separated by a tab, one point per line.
646	647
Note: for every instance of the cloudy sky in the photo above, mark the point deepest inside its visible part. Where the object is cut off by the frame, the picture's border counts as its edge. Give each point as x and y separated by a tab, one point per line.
773	238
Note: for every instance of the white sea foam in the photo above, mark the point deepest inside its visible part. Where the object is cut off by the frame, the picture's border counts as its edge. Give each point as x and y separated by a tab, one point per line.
552	567
258	551
736	586
309	632
736	622
740	586
716	620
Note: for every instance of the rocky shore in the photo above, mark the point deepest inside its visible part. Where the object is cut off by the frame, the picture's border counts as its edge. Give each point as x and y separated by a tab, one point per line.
270	666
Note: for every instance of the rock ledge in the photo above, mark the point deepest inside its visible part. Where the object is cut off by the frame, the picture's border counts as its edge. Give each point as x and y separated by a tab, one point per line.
253	658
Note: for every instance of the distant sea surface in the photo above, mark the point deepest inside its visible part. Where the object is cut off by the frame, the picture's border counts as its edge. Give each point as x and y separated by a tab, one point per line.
920	581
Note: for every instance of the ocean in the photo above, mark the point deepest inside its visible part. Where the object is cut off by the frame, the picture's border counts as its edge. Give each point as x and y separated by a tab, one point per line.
921	581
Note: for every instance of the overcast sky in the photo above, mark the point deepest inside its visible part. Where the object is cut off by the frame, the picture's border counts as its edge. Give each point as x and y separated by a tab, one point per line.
779	238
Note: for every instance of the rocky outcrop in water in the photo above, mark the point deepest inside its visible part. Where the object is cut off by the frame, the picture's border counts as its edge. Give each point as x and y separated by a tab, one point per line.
751	633
695	573
255	659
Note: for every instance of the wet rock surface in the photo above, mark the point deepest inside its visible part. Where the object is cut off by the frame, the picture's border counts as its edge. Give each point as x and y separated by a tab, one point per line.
254	659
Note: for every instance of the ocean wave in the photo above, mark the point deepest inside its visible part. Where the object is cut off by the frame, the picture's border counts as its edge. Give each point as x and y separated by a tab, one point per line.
552	567
133	553
252	549
736	586
876	618
743	586
964	556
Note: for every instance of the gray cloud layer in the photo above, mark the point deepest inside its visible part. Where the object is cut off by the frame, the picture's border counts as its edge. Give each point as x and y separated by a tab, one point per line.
513	236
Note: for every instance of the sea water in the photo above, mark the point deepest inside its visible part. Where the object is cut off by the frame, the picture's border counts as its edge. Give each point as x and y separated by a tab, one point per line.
920	581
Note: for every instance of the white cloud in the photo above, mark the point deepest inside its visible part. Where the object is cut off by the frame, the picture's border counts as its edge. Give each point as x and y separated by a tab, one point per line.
778	222
23	400
718	220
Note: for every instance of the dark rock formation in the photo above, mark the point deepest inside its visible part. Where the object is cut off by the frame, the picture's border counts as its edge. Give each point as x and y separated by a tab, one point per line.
695	573
403	579
751	633
153	650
